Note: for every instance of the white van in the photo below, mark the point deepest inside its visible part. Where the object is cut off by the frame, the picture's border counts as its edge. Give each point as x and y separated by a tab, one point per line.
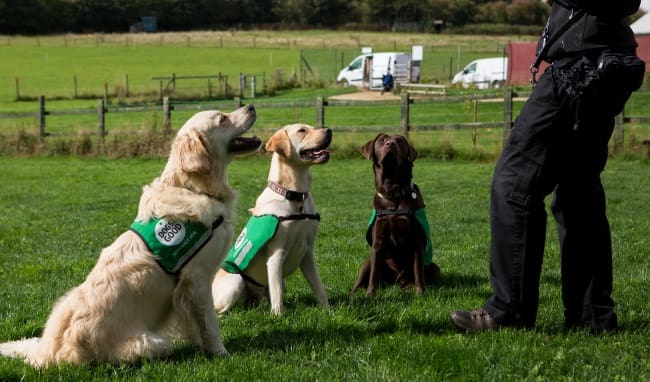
368	70
483	73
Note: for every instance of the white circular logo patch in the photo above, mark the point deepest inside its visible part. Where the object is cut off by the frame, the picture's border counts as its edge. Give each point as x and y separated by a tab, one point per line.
170	233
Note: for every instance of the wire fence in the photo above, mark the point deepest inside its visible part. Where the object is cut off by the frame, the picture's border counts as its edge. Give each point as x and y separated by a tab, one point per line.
269	39
208	86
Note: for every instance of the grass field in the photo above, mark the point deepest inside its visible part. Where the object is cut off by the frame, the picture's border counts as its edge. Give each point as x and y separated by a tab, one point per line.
44	60
59	212
47	65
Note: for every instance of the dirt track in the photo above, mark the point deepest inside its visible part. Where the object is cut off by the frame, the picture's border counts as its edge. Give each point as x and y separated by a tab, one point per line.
367	95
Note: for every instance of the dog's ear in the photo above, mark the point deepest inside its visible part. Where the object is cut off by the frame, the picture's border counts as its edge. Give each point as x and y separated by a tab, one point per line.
279	143
368	150
413	153
192	153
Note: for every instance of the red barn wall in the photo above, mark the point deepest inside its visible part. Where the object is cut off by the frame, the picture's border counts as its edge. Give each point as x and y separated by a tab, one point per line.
522	55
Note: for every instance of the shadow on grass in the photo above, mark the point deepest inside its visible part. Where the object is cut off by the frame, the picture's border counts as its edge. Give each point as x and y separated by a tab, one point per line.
353	319
452	279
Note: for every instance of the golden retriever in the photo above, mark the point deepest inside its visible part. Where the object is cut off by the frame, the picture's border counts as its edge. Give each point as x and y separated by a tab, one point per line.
128	305
289	204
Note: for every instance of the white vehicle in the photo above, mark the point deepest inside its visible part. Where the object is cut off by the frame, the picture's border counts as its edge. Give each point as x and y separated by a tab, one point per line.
368	70
483	73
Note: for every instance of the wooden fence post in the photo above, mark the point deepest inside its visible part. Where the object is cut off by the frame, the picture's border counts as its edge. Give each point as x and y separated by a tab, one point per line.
237	102
507	114
404	121
475	120
75	86
301	71
242	84
41	118
101	120
253	87
618	133
167	116
126	85
264	83
174	83
17	81
106	92
320	112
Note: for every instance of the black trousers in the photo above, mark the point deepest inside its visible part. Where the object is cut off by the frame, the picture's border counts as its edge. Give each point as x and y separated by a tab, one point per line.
547	153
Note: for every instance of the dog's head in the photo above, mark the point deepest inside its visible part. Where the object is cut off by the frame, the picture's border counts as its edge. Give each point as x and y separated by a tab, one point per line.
391	153
214	135
301	144
205	145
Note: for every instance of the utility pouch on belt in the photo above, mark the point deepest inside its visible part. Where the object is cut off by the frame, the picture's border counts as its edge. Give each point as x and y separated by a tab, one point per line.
626	71
575	77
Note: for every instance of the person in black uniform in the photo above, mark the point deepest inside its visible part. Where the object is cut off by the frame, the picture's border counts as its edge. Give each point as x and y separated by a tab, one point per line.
559	144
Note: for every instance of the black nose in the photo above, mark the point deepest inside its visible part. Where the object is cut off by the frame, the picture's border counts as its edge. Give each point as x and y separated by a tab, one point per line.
328	136
250	108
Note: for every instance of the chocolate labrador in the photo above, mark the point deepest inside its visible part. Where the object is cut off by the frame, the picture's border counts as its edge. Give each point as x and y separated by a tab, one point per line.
398	231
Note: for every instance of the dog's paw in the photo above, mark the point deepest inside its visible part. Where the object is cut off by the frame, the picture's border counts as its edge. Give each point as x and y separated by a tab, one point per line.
322	301
276	312
219	351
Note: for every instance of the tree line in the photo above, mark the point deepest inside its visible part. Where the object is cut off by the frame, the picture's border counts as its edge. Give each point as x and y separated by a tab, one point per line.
77	16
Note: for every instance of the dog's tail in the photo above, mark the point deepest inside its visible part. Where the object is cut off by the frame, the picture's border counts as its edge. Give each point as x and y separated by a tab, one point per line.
24	349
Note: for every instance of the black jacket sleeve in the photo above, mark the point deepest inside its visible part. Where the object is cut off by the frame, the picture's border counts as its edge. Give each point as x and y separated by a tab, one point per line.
604	8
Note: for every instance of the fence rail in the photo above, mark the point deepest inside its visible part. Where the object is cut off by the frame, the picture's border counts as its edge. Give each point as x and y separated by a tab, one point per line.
320	104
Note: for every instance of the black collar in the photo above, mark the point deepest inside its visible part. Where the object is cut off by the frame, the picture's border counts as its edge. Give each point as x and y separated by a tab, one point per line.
296	196
315	216
408	192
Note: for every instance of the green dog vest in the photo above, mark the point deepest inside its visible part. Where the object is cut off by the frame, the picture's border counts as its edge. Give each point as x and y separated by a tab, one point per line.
258	231
173	244
421	217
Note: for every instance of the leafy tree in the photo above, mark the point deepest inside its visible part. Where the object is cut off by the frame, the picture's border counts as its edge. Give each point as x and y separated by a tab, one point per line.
49	16
527	12
34	16
439	9
462	12
494	11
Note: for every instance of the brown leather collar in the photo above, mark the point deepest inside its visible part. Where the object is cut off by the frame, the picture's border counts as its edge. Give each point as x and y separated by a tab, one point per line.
296	196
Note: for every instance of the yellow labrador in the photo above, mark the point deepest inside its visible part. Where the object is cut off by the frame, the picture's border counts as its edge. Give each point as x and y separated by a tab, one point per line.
264	255
155	281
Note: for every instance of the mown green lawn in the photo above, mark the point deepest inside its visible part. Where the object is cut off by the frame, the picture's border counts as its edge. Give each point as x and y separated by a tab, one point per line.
59	212
48	65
